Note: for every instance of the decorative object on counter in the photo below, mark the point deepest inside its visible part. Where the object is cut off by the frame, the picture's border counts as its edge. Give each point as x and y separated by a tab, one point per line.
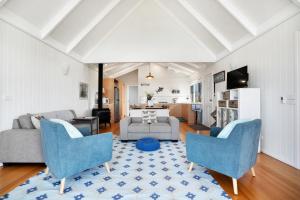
160	89
149	99
175	91
149	76
83	90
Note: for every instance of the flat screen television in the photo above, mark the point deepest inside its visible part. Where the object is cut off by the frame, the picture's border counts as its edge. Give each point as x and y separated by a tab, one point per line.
237	78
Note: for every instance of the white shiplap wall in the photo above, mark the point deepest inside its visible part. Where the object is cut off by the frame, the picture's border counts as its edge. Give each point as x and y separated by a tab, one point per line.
32	77
272	67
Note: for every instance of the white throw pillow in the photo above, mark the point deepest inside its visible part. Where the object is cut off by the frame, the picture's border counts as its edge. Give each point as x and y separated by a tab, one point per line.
71	130
229	127
36	121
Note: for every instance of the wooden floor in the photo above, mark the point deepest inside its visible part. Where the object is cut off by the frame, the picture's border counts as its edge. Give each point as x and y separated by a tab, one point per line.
274	179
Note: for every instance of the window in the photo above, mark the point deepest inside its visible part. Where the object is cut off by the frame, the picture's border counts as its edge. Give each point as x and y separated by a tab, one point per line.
196	90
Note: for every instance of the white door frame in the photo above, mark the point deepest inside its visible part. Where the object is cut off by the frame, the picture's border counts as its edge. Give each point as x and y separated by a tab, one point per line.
297	117
127	98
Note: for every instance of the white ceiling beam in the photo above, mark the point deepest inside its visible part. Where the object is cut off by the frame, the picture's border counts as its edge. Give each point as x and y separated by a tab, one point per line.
116	66
109	67
126	70
2	2
112	4
206	24
178	70
116	25
281	16
183	68
297	2
186	29
195	69
59	17
239	16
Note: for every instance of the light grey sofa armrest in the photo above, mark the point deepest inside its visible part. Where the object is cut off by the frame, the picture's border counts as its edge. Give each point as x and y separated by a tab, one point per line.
21	146
124	123
174	122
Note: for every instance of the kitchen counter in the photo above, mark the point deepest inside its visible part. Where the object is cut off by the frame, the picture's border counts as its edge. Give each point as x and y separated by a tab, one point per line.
139	112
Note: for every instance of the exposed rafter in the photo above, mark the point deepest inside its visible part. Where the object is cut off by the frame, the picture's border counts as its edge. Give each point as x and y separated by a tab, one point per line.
113	28
2	2
239	16
206	24
297	2
109	67
125	70
185	28
112	68
181	67
92	25
178	70
59	17
195	69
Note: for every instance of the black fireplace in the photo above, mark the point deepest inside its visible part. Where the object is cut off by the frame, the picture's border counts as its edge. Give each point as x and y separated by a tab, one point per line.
102	113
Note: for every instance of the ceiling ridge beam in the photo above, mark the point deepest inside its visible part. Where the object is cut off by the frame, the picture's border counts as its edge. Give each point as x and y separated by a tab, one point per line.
92	25
186	29
58	18
114	28
206	24
239	16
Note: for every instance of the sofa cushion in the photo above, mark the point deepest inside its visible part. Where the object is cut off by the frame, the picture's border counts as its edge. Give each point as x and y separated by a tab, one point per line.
162	119
66	115
138	128
160	128
136	120
25	122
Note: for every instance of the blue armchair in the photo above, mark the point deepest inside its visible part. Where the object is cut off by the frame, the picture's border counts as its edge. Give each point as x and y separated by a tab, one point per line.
65	156
233	156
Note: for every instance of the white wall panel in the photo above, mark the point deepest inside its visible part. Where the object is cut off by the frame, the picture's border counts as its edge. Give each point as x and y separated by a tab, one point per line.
272	67
32	77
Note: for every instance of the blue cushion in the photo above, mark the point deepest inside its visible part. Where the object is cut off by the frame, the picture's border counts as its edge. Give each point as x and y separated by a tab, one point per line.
148	144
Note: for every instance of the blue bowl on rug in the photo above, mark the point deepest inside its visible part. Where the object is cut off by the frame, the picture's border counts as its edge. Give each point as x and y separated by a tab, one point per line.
148	144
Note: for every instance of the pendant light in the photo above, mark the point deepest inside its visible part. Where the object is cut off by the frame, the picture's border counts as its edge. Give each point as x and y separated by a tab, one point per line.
149	76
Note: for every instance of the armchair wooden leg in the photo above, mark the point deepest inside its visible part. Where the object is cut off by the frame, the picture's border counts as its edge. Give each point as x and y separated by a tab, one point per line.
235	186
253	171
191	166
107	167
47	170
62	185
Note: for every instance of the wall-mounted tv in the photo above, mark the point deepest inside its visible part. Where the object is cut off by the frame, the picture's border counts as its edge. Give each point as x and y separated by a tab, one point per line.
238	78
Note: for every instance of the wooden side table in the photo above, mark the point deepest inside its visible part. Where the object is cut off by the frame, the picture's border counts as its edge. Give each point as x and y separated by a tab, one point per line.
89	120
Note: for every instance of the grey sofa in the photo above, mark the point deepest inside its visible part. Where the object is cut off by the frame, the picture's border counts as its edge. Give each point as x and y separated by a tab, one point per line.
22	143
166	128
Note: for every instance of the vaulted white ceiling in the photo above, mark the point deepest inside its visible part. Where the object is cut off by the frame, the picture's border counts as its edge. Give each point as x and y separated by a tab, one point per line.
106	31
115	70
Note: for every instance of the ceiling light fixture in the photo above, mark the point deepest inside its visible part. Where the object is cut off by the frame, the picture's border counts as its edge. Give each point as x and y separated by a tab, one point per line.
149	76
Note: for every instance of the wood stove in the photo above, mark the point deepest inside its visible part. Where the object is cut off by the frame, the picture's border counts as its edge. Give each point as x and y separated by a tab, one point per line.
102	113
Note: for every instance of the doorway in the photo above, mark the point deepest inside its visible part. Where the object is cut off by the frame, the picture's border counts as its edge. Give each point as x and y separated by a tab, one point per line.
297	128
132	96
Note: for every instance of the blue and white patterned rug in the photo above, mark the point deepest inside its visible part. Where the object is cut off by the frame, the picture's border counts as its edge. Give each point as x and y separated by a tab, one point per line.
161	174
